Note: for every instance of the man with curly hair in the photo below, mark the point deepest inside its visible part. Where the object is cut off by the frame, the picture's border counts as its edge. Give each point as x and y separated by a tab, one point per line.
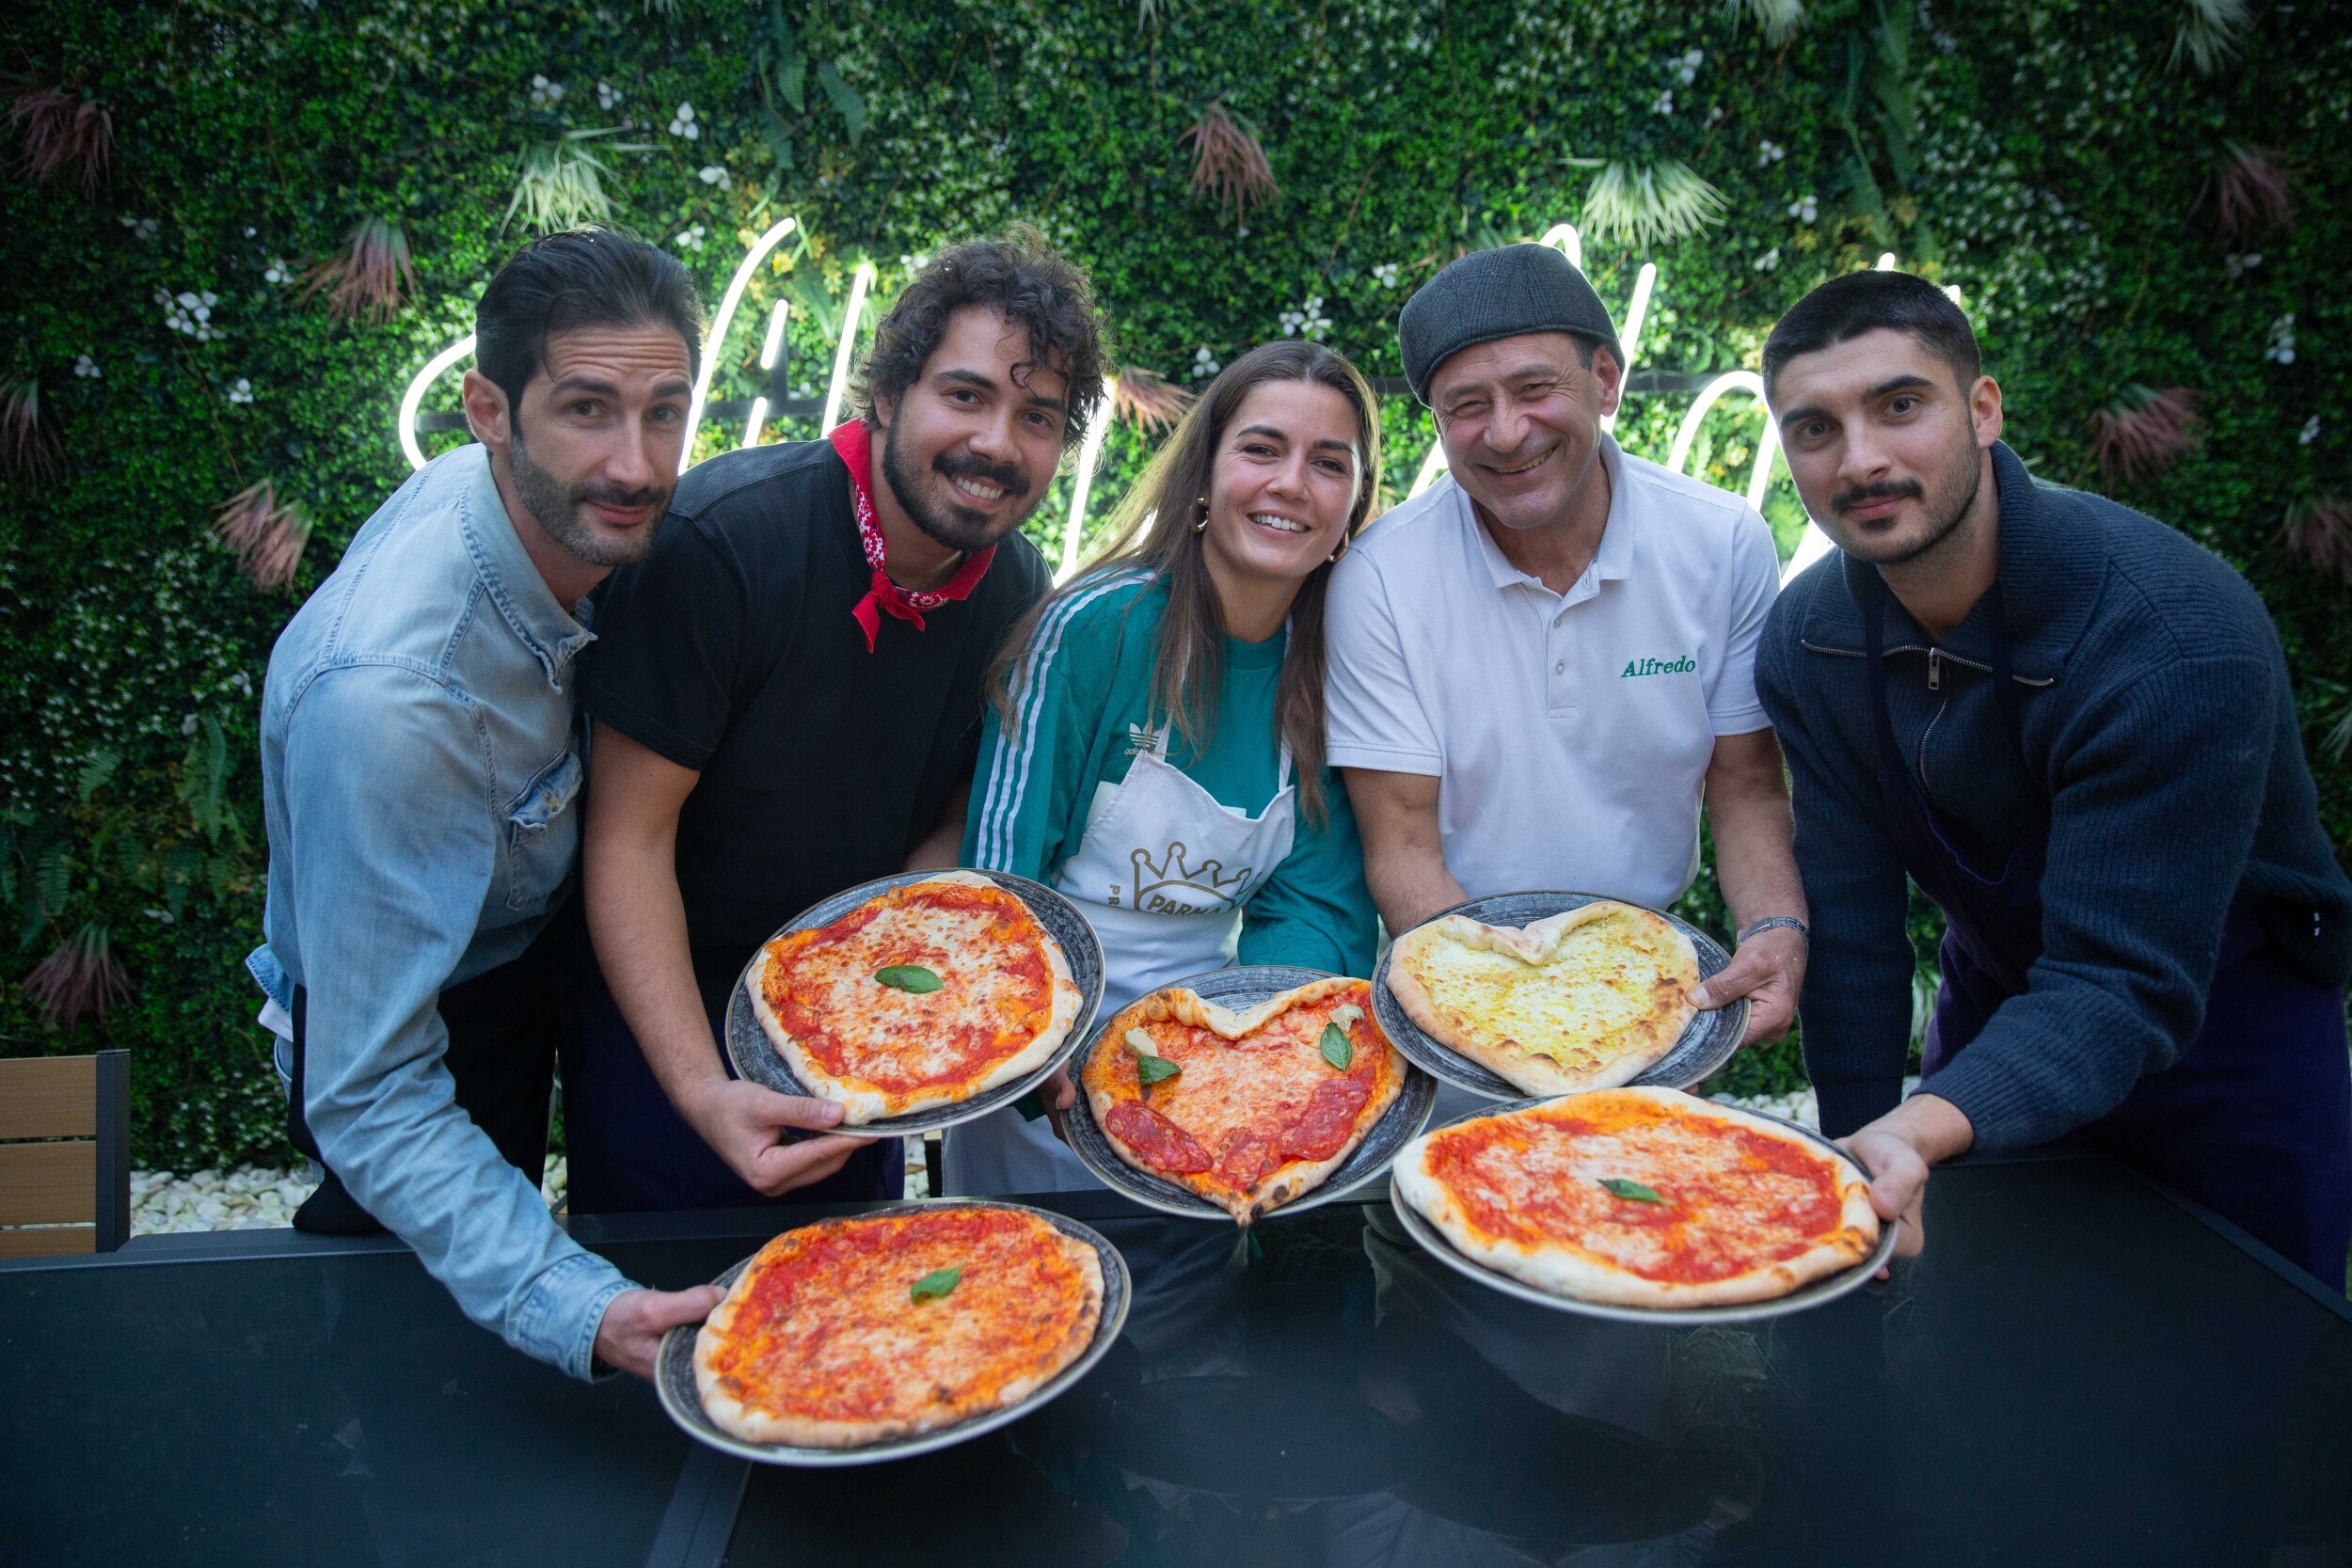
787	698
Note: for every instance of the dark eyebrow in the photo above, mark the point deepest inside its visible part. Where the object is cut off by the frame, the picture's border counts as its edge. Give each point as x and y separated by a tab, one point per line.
574	385
1899	383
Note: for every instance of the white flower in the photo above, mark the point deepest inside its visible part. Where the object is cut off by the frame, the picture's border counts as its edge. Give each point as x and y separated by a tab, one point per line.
85	365
1770	260
2239	265
1769	152
545	94
1385	273
691	239
1688	66
2309	434
606	96
1665	104
1804	209
682	123
2281	347
1204	364
240	391
277	272
711	174
144	228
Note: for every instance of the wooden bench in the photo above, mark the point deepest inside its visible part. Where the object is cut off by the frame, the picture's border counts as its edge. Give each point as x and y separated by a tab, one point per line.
65	1154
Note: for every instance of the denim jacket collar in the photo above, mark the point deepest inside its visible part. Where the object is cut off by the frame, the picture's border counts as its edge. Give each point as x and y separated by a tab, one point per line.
514	583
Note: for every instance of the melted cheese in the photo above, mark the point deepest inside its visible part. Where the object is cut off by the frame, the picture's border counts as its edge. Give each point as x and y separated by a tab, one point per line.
1579	1005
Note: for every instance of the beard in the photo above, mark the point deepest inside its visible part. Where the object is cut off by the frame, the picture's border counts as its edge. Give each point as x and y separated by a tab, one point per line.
557	506
1943	506
930	502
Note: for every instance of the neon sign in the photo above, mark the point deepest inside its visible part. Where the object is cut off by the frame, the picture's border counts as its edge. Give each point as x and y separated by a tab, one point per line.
1564	236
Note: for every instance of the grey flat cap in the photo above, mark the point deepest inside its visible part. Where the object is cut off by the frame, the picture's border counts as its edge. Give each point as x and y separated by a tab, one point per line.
1492	294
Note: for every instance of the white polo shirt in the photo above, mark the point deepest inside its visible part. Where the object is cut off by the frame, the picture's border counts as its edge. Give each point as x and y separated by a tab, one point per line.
1571	732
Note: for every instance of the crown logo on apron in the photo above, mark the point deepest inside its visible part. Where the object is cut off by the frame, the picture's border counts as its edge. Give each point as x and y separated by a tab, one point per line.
1161	884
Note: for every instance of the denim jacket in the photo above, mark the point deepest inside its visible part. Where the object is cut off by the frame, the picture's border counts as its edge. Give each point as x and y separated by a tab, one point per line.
419	767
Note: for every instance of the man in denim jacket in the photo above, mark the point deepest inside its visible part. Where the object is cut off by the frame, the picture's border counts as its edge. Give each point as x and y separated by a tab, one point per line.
419	771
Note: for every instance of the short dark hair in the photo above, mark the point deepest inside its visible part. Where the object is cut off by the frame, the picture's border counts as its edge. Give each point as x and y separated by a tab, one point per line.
582	278
1020	279
1859	302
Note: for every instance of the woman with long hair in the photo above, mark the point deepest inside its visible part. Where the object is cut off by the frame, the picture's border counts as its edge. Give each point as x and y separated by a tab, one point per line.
1155	741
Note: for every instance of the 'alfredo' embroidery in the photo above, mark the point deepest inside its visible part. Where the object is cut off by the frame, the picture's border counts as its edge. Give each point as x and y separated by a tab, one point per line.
1683	666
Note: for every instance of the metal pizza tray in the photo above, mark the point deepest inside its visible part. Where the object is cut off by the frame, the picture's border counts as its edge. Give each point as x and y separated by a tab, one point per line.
1841	1283
674	1374
1242	988
754	1056
1708	1040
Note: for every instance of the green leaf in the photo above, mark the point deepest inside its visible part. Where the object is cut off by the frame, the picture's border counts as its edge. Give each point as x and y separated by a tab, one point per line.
1634	1191
793	80
845	97
1337	1049
779	137
1153	1069
912	979
934	1285
96	772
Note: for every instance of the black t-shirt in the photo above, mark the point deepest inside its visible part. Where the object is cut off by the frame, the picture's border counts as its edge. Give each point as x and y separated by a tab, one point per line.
731	650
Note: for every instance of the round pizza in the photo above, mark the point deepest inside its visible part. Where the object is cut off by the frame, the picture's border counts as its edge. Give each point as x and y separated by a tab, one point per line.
924	995
1643	1197
1248	1110
1586	999
857	1331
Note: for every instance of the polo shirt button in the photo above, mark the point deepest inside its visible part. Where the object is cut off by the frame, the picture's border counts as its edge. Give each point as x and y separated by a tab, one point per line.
1561	668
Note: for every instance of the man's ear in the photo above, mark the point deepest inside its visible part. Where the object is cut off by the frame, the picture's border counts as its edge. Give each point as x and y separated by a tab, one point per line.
487	412
1984	410
885	410
1610	375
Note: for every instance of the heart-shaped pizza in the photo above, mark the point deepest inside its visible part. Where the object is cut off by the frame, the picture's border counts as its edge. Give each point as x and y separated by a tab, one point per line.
1248	1110
1585	998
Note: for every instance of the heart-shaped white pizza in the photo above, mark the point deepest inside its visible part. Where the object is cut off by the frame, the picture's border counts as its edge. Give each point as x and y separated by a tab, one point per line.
1586	999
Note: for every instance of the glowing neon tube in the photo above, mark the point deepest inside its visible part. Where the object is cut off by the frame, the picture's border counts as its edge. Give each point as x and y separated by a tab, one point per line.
716	338
1089	453
860	282
414	396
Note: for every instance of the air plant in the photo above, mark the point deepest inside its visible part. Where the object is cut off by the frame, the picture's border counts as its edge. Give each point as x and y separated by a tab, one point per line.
1148	398
62	129
2207	36
80	977
2249	193
2145	431
372	276
1647	204
560	184
2319	528
1779	18
267	534
1228	163
27	450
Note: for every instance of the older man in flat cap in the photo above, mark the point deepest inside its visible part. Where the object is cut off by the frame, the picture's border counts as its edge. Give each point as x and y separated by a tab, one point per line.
1543	666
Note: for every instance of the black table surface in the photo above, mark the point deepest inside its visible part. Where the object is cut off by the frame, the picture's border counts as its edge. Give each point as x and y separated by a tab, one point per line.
2081	1370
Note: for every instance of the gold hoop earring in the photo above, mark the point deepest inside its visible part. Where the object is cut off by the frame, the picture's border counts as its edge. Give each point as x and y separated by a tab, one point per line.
1200	515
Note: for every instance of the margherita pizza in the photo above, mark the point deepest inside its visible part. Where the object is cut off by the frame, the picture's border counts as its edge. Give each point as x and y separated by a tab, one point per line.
1586	999
857	1331
924	995
1642	1198
1248	1110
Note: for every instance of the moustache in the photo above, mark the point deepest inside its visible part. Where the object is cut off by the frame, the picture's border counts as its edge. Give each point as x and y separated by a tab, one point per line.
1846	499
608	495
970	466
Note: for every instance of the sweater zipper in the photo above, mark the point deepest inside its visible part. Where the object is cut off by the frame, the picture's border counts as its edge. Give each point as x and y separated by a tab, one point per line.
1934	656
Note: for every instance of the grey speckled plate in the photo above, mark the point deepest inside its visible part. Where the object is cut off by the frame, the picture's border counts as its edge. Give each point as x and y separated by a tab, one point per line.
673	1376
754	1056
1706	1043
1841	1283
1241	987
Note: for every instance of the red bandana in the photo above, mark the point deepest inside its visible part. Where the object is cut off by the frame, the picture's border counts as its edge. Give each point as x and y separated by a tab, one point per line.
856	448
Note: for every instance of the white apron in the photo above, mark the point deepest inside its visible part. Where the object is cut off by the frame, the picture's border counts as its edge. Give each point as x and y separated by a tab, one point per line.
1162	873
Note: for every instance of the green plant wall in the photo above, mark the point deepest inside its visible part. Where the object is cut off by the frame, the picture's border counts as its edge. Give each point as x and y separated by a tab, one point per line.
2048	157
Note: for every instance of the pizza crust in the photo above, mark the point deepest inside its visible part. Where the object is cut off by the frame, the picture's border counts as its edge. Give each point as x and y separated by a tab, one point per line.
1629	1052
861	1104
737	1418
1292	1179
1565	1270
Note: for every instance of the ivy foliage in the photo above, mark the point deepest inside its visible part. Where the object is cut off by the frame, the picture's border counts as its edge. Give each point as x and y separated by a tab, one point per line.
2050	158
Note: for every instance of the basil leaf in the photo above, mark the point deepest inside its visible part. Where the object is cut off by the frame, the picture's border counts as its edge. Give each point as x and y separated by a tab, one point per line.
1337	1049
912	979
1152	1069
1632	1190
934	1285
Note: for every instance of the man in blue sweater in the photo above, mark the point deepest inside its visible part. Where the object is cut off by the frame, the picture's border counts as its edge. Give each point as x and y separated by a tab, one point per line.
2071	727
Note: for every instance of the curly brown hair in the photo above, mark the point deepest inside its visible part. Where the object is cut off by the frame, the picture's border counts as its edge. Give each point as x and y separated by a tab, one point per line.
1023	279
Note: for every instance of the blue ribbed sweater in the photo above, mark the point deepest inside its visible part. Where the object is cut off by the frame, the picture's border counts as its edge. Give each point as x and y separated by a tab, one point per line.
2160	746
